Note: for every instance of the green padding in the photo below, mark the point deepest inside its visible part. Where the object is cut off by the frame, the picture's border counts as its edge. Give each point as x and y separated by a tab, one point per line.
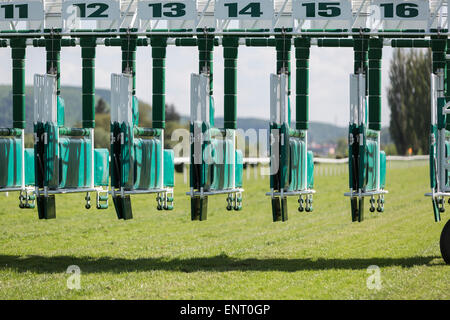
147	168
169	168
60	111
310	169
127	157
239	169
382	169
371	152
298	174
29	166
135	111
51	157
75	162
10	162
447	172
218	172
101	163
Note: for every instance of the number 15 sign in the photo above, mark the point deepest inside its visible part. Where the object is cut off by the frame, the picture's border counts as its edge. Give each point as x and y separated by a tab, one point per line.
321	10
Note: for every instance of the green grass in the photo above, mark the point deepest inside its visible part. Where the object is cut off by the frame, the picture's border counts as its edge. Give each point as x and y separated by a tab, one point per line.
237	255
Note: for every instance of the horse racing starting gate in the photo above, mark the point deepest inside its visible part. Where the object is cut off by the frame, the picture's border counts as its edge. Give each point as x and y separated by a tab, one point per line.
64	159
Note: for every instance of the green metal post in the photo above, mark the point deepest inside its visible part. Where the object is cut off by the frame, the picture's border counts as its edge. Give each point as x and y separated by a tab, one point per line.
375	55
439	49
159	45
53	52
18	46
302	52
360	47
205	45
88	44
283	47
128	45
230	53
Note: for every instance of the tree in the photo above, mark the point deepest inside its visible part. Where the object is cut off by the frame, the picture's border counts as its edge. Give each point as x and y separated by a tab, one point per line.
409	100
171	113
102	106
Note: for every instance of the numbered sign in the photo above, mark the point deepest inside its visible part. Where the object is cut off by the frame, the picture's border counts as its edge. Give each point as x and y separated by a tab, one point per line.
167	10
90	10
244	9
321	10
400	10
21	10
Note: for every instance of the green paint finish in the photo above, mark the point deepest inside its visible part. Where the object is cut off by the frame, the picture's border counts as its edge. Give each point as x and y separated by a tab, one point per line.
297	165
74	162
88	45
128	45
239	168
205	44
230	52
10	162
169	168
310	170
29	166
382	169
60	111
302	53
159	45
433	155
101	165
374	83
147	164
439	49
18	47
53	53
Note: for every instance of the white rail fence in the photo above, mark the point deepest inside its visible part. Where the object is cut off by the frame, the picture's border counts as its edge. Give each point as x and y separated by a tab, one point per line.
324	166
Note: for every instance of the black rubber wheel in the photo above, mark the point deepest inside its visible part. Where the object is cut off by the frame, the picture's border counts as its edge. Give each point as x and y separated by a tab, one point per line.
372	209
445	242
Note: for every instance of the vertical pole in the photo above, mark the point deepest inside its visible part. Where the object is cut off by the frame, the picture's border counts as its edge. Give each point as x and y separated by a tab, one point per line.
375	55
302	52
360	47
88	44
230	53
159	45
128	46
283	47
18	46
53	52
205	45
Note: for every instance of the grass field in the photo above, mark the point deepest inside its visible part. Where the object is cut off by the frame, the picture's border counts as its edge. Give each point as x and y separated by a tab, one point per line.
237	255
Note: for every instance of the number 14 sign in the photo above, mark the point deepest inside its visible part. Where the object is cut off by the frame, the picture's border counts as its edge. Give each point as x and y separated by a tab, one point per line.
244	9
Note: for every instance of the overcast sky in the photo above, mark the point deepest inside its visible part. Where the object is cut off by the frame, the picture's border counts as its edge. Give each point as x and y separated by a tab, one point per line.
329	77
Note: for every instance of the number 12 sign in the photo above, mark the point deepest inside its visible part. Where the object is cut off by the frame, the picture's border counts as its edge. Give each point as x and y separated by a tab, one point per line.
90	9
321	10
244	9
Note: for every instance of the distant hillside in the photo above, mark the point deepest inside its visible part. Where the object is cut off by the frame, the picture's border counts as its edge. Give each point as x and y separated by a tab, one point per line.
71	96
319	132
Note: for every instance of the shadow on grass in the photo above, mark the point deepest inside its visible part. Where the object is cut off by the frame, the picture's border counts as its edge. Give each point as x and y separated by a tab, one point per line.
220	263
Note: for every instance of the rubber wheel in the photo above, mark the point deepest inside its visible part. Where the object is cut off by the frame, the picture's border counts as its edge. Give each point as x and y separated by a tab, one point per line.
445	243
